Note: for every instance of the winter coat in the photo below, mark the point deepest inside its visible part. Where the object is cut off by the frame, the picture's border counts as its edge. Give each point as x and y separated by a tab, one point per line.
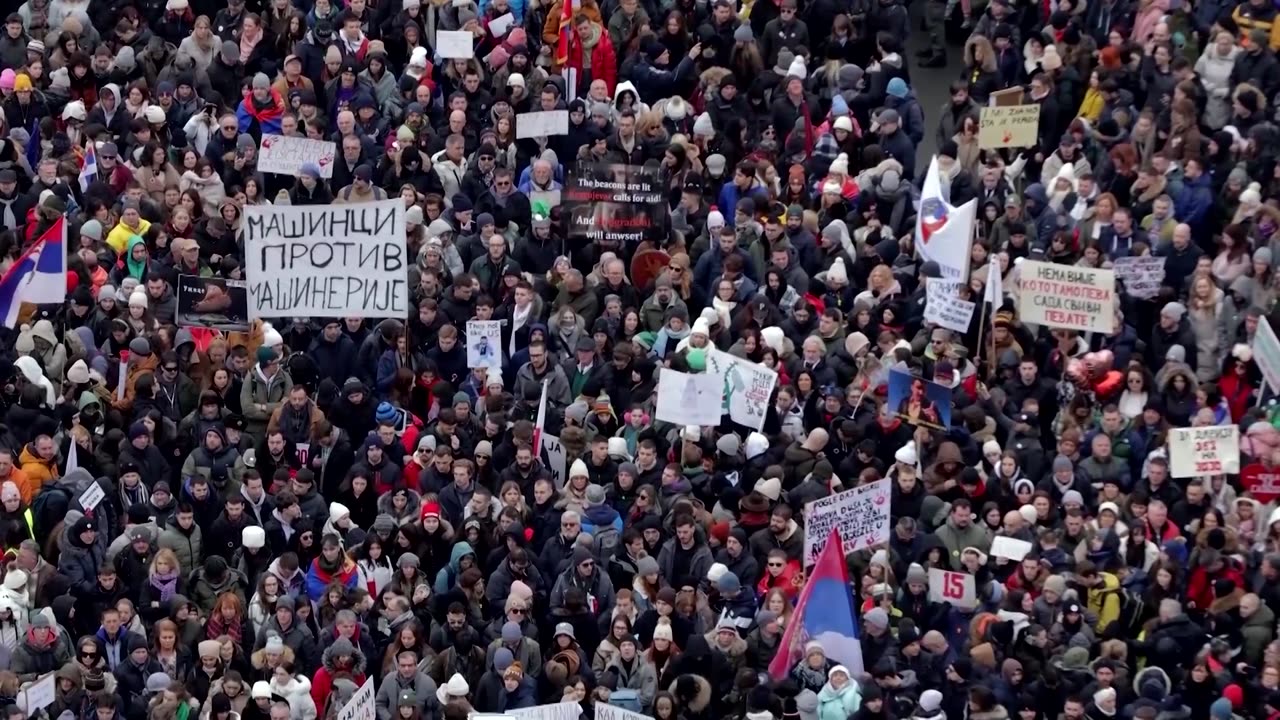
1215	75
839	704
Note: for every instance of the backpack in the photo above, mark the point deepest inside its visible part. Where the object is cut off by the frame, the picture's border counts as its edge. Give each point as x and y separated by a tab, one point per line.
606	540
48	508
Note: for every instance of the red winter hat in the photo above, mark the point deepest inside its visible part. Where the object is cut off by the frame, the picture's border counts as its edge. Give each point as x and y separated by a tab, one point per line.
431	509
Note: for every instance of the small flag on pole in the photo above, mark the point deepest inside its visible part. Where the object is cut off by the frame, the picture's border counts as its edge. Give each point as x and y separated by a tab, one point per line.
89	170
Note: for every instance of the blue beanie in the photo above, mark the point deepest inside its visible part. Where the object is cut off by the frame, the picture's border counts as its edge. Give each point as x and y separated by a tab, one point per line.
386	413
311	169
839	106
897	87
1220	709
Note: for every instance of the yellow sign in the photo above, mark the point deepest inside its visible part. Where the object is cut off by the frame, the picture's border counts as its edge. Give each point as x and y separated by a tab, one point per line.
1008	126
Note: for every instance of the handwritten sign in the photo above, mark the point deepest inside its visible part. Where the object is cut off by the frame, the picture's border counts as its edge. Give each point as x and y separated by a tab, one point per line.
327	260
287	154
91	496
39	694
554	711
455	44
944	309
484	344
747	387
1141	275
1008	126
861	514
612	712
542	124
501	24
1200	451
1066	296
554	459
361	706
689	399
959	589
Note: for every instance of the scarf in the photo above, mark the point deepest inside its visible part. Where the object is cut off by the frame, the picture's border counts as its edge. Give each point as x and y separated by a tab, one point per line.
216	627
166	583
247	46
589	43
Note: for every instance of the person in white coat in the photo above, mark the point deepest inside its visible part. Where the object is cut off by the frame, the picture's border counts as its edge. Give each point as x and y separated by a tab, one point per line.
1214	69
296	689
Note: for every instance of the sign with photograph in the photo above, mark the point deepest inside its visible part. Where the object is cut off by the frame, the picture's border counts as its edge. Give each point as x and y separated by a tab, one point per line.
286	154
484	344
212	303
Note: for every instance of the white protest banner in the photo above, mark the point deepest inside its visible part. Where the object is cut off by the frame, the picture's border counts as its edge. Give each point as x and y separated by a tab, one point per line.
1066	296
944	309
455	44
554	711
1010	548
689	399
286	155
1141	275
484	344
544	123
39	694
1266	352
861	515
501	24
959	589
1200	451
327	260
361	706
612	712
92	495
747	387
555	459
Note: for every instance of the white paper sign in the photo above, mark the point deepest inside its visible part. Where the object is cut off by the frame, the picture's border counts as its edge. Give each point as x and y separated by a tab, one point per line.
1141	276
959	589
861	515
484	344
689	399
544	123
554	711
122	383
501	24
1067	296
748	387
361	706
92	495
1266	353
1200	451
611	712
555	459
327	260
1010	548
39	694
455	44
286	155
944	309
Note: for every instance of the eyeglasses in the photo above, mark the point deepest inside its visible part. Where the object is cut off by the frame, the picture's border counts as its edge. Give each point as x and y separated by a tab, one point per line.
88	654
502	183
516	611
173	368
587	563
776	564
675	268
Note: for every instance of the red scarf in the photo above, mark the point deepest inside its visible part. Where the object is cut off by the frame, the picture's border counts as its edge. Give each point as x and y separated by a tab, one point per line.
216	628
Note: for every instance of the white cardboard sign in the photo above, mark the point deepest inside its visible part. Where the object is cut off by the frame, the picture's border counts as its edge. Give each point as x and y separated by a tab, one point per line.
946	310
689	399
543	123
455	44
361	706
861	515
959	589
286	155
1067	296
1201	451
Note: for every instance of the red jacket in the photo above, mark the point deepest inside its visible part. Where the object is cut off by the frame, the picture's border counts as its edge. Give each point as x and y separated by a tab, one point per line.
604	61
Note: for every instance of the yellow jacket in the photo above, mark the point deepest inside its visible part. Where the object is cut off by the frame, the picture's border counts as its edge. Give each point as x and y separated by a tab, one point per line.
1246	18
1104	600
1091	107
118	238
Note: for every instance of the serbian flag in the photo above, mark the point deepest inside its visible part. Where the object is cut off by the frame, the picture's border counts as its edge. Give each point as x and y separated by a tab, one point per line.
562	51
834	620
539	427
89	170
38	277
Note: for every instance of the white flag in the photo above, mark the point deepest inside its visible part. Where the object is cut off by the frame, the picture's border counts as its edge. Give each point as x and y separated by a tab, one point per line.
995	287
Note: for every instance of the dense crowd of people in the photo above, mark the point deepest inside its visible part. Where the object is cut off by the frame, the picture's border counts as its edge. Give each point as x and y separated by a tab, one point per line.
291	509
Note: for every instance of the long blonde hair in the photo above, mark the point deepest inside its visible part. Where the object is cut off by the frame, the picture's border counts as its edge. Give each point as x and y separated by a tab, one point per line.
168	556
